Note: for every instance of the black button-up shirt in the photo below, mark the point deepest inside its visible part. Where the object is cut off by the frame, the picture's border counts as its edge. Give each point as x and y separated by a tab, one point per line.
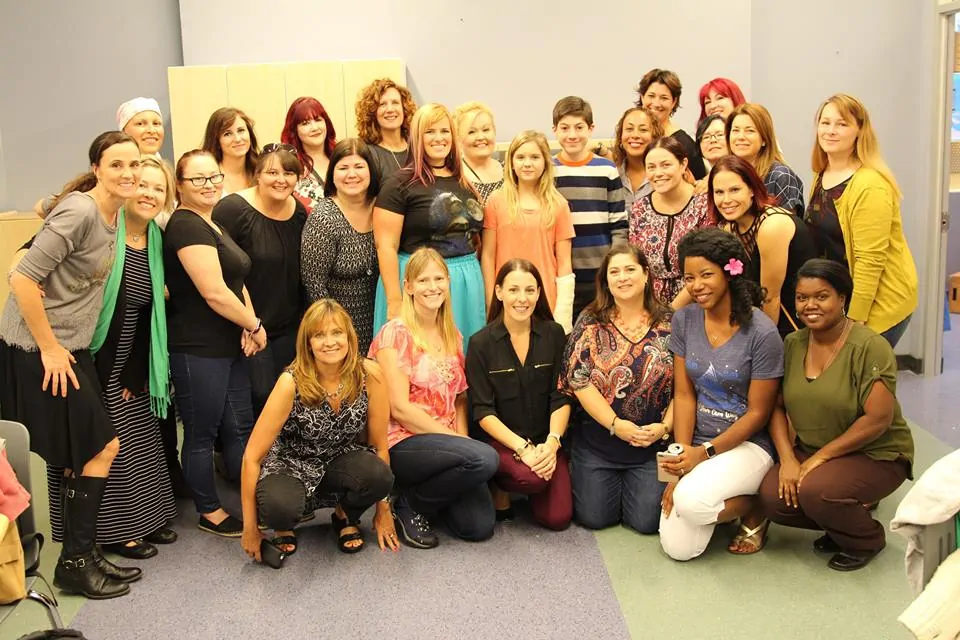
522	396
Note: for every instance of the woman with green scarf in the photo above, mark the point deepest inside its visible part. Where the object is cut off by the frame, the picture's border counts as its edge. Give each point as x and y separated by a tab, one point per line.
130	354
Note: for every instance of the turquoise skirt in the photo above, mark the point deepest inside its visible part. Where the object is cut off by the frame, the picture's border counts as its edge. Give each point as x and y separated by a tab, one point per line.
466	293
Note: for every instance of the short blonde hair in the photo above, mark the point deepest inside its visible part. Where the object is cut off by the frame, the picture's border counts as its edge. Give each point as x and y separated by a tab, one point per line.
465	114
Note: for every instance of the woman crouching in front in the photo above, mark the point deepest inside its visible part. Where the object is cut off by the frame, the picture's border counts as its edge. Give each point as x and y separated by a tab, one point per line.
306	450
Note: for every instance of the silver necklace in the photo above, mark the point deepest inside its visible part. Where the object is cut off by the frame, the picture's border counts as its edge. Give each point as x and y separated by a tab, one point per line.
335	394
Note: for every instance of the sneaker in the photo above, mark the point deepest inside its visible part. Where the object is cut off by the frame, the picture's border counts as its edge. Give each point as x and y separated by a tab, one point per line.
229	528
414	527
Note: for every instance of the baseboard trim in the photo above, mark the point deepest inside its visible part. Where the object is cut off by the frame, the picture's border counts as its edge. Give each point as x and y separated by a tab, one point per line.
910	363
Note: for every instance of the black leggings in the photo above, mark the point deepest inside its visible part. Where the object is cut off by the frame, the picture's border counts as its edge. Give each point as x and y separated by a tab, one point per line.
357	479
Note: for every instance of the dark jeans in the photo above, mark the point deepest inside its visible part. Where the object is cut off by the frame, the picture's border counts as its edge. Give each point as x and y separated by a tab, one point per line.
443	474
357	479
550	500
213	399
606	493
894	333
266	366
834	498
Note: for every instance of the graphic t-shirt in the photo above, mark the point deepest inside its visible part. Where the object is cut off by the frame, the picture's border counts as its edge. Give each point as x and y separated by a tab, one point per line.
445	215
721	376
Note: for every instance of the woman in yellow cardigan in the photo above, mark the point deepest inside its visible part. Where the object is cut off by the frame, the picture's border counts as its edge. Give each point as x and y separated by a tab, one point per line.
854	215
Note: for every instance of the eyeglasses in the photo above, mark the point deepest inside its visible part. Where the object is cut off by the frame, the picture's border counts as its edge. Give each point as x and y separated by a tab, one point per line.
712	137
199	181
276	146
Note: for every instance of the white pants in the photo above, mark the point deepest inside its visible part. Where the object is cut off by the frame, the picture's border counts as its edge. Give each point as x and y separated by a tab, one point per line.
699	496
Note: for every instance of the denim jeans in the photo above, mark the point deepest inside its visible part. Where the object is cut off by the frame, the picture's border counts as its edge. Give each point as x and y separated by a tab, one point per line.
267	365
894	333
437	473
213	399
606	493
356	479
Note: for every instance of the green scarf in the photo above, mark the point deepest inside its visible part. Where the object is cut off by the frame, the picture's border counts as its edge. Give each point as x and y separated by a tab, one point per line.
159	374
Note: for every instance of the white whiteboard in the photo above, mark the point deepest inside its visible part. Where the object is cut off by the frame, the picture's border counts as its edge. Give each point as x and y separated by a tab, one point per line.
518	56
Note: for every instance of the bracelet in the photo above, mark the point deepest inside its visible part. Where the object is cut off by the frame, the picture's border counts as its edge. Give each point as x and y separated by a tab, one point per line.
519	450
555	437
613	425
259	326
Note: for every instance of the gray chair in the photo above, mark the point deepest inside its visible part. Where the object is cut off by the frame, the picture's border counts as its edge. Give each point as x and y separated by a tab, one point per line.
18	454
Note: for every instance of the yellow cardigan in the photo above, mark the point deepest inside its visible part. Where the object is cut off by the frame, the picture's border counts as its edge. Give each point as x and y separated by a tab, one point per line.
884	274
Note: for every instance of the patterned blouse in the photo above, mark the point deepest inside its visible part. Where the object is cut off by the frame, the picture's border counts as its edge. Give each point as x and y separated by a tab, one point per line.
309	190
435	383
312	437
484	189
635	378
658	235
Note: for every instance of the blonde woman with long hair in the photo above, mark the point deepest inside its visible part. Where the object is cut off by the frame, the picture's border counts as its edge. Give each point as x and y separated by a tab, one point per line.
440	471
751	137
478	141
308	449
854	214
430	203
528	218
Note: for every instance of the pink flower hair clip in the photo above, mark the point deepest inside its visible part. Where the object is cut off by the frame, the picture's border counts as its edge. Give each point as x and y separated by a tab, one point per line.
734	267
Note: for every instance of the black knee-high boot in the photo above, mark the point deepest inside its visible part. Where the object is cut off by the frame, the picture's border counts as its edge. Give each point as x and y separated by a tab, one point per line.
123	574
77	569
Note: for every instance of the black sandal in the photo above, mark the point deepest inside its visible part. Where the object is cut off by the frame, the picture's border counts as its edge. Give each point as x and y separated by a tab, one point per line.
285	541
339	524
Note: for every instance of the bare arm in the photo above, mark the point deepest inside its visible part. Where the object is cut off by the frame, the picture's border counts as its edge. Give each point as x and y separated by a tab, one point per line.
203	266
773	241
387	228
462	419
682	299
488	267
378	416
564	262
761	397
412	417
684	403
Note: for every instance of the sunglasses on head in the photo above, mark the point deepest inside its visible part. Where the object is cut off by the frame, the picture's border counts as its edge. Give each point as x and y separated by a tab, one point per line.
276	146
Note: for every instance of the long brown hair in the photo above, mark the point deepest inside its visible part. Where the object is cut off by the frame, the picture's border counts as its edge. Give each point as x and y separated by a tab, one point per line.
305	371
769	151
603	304
88	180
221	120
541	310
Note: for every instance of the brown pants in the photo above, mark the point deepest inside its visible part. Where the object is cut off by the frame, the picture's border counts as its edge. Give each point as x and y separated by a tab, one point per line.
833	498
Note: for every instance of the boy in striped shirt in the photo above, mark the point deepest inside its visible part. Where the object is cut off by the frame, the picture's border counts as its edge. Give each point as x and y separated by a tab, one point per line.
592	186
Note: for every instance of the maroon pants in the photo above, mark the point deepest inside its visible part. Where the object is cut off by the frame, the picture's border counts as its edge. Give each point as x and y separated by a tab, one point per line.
551	501
833	498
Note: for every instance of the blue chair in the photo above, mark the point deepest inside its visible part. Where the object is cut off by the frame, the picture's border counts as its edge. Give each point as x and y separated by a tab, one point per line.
18	454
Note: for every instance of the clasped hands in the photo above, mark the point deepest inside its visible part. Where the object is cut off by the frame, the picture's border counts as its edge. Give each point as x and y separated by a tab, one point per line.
253	342
639	436
541	458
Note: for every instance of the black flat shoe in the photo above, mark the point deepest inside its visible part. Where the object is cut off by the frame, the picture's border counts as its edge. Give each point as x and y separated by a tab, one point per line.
230	527
504	514
162	535
825	544
851	560
140	550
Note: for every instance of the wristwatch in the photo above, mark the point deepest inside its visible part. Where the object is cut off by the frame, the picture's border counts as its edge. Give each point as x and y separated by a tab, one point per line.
666	432
709	449
555	437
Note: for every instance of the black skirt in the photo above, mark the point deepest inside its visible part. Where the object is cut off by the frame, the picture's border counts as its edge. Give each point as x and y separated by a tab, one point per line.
66	432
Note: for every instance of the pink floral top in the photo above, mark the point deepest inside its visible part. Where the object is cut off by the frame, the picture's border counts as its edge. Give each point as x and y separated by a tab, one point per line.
434	383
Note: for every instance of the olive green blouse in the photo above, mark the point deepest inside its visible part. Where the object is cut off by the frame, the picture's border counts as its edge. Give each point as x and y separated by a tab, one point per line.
822	409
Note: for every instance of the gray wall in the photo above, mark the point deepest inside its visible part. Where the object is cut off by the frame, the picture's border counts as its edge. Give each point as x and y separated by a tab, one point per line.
883	53
65	68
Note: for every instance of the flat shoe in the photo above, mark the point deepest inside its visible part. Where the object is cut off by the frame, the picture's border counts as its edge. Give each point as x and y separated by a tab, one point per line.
140	550
503	515
230	527
825	544
162	535
851	560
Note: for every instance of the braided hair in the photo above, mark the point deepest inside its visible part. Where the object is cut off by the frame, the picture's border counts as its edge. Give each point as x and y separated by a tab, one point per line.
719	247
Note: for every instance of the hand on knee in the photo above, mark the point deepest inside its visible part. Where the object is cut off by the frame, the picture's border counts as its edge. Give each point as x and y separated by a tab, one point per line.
691	507
110	451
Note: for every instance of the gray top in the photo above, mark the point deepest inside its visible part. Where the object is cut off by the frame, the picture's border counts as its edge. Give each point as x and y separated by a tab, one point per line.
629	195
721	376
71	256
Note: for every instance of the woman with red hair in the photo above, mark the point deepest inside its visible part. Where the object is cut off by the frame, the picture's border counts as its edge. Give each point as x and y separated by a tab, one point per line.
309	129
719	96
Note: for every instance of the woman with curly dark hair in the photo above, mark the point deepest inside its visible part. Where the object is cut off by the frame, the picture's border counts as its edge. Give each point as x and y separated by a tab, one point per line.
728	361
384	110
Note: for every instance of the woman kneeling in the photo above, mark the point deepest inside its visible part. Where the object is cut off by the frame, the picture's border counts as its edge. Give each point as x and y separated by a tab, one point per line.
512	367
728	360
853	445
305	451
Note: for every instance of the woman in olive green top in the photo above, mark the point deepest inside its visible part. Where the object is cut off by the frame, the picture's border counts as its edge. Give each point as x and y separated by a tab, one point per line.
853	446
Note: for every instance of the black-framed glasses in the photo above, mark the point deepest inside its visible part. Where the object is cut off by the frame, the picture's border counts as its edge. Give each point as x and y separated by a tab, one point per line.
199	181
712	137
276	146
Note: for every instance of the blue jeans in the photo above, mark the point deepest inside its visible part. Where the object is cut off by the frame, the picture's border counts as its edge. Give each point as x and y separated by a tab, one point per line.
443	474
894	333
606	493
267	365
213	399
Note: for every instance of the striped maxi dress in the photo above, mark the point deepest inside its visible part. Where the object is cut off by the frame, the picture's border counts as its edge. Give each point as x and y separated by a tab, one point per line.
138	499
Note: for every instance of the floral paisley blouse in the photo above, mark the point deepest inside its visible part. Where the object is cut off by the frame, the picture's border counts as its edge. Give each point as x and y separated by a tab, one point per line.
435	383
